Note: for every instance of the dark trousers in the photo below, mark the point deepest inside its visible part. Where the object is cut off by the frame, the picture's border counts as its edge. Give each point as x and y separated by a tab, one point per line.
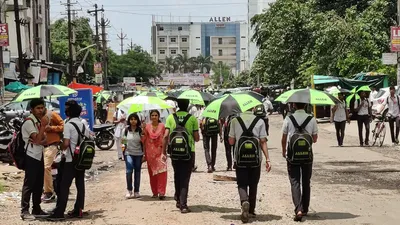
228	152
363	120
133	165
300	178
214	144
247	181
33	184
182	173
393	121
340	127
68	173
266	121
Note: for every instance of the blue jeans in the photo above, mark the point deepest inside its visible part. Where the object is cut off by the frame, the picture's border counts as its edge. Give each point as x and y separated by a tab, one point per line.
133	164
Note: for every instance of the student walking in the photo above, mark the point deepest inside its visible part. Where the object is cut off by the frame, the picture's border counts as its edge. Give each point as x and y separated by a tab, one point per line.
33	134
299	132
120	123
393	104
182	131
156	155
249	135
210	129
339	115
362	107
229	149
134	151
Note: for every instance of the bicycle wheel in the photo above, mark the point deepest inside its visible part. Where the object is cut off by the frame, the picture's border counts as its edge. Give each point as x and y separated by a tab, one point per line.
382	135
375	133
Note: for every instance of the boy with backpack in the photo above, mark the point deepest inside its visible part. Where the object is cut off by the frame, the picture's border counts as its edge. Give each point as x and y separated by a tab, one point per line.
78	154
248	134
362	107
393	103
300	131
182	131
210	129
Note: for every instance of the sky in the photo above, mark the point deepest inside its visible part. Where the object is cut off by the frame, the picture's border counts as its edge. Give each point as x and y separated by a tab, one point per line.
134	17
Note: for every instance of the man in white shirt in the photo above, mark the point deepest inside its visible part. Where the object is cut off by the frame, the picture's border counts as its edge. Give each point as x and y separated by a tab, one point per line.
339	115
268	108
393	113
299	175
373	94
362	107
33	134
120	124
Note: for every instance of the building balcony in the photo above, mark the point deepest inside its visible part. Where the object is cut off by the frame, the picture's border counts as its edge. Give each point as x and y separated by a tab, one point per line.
226	44
224	57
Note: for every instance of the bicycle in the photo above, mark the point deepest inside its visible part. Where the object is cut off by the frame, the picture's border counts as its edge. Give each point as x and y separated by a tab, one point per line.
379	131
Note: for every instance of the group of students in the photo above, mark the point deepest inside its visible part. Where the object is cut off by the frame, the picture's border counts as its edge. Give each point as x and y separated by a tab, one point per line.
44	133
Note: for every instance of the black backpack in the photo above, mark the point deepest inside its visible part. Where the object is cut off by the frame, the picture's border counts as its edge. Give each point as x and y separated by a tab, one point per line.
179	146
211	127
299	149
248	153
260	111
83	158
17	147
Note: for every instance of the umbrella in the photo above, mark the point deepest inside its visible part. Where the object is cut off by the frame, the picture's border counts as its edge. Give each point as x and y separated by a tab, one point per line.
253	94
335	91
364	88
44	91
308	96
16	87
102	95
230	104
154	94
348	99
142	103
95	89
193	95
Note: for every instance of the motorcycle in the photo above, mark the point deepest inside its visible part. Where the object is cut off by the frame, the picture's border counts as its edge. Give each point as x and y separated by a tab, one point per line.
104	136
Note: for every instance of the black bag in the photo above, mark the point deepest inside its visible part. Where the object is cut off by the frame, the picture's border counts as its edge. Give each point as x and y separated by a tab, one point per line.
299	149
260	111
17	147
179	146
248	154
84	151
211	127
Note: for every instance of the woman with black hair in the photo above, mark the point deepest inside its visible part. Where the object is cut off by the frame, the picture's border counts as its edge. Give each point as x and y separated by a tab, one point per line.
133	154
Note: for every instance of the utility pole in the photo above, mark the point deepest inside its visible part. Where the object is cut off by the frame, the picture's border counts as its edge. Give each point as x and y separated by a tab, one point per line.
122	37
104	23
70	43
398	53
131	45
96	38
1	61
21	65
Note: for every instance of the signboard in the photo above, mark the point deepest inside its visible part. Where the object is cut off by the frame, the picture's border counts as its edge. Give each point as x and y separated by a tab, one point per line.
389	58
112	107
98	78
220	19
4	35
98	69
395	39
84	98
185	79
43	74
129	81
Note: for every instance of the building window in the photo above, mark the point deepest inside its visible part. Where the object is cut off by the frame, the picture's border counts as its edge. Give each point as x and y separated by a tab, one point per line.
220	41
220	52
243	37
179	28
160	28
184	39
197	37
220	62
41	49
162	51
173	40
173	51
184	51
28	3
162	39
243	48
40	9
198	49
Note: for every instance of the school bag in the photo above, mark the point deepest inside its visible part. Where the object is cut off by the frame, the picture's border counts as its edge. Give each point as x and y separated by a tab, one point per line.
211	127
17	147
84	152
248	153
299	149
260	111
179	146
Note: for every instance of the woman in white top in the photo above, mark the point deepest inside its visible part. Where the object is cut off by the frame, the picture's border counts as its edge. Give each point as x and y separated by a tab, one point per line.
340	115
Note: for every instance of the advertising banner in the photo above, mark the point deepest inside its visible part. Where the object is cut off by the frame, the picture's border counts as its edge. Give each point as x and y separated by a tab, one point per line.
186	79
4	42
395	39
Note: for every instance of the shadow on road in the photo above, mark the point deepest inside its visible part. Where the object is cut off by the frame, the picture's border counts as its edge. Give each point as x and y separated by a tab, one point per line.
208	208
330	216
148	198
259	217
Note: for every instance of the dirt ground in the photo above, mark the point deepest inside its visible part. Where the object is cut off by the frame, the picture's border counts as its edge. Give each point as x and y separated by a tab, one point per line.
350	185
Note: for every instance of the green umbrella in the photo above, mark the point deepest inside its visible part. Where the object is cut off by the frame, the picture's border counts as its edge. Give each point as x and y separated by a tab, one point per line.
16	87
364	88
102	95
45	91
194	95
142	103
229	105
308	96
154	94
348	99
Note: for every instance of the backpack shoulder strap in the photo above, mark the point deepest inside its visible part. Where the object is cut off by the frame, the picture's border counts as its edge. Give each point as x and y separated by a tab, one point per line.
77	129
240	120
126	132
254	123
187	117
295	124
305	123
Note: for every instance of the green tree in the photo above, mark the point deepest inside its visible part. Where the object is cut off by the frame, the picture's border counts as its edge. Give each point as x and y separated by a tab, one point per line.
204	62
222	72
185	64
170	65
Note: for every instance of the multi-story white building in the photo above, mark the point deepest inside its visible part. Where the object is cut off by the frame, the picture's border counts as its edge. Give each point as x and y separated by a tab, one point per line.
35	35
255	7
226	41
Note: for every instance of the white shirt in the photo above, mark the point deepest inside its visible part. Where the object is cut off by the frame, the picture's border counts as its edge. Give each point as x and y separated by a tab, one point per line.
300	116
28	128
364	108
340	113
71	133
393	105
373	94
120	126
267	106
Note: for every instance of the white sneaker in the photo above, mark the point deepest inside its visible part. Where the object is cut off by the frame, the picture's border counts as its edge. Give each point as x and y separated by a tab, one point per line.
128	195
137	195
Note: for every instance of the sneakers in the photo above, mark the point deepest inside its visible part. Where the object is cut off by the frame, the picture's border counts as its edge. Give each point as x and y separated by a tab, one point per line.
75	214
26	216
128	195
245	212
210	170
161	197
185	210
55	218
48	197
40	214
136	195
